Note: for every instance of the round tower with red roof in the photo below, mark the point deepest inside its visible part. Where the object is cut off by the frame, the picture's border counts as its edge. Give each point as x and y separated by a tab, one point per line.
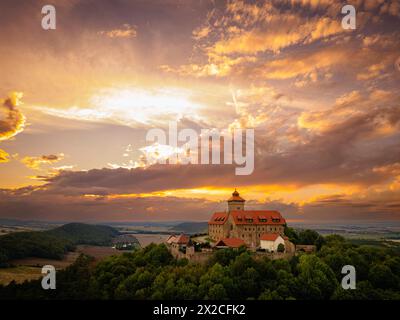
236	202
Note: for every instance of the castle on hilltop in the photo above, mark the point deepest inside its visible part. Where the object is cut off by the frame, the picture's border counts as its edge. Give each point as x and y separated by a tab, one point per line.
253	228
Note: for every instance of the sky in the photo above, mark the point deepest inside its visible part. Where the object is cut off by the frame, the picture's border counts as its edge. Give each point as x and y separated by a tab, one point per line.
77	102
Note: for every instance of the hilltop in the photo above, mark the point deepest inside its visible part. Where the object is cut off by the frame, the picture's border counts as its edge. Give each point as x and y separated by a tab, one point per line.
80	233
190	227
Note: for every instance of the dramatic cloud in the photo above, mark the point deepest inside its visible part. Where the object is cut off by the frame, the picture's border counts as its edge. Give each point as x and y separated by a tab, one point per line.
302	65
36	162
280	32
323	102
12	121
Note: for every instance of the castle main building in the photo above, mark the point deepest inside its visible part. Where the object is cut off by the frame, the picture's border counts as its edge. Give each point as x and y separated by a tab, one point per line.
247	225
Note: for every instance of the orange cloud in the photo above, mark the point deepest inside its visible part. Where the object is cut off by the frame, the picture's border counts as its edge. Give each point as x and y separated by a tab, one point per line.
12	121
312	3
280	31
201	32
292	67
4	156
126	31
36	162
351	106
373	71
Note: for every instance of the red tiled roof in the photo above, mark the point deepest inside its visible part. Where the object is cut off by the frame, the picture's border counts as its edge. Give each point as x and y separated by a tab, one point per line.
271	217
218	218
230	242
182	239
269	236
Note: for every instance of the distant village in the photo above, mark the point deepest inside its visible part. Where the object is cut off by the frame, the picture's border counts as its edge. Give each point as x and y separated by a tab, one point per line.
261	231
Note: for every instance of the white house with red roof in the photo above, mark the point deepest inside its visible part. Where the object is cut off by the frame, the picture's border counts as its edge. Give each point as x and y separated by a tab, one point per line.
271	241
247	225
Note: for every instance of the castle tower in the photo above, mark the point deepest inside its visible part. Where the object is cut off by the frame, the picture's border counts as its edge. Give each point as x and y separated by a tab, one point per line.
236	202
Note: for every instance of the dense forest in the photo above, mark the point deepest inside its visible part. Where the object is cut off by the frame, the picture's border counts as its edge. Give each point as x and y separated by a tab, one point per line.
152	273
53	243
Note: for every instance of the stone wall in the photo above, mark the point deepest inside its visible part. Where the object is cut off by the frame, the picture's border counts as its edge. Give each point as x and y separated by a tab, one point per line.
191	255
305	248
274	256
203	256
199	257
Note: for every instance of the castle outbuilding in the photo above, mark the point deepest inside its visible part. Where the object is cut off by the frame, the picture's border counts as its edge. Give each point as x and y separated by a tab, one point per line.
248	225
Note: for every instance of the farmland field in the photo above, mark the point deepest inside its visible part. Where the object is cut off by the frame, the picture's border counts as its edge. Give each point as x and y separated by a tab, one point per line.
19	274
30	268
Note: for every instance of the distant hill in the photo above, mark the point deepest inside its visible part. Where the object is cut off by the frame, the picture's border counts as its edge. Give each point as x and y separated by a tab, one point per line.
190	227
80	233
53	243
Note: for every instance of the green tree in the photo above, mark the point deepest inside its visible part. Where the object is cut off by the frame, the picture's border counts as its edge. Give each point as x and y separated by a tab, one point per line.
381	276
308	237
291	234
315	280
270	295
217	292
319	242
